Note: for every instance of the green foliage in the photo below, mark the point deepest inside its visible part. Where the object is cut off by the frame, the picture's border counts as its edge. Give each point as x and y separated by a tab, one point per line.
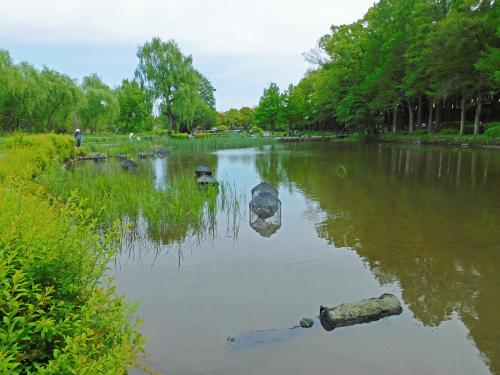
40	101
180	135
184	95
135	108
493	131
56	318
203	135
270	112
100	107
235	118
399	56
35	100
256	130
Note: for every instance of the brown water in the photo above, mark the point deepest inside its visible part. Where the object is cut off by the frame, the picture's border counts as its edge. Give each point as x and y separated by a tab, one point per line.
356	221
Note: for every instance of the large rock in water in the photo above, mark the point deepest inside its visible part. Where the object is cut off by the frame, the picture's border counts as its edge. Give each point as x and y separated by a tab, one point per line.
206	181
162	152
129	165
264	188
364	311
202	170
121	157
265	205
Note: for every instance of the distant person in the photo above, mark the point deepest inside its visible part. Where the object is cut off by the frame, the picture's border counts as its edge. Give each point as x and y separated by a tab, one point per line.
78	137
131	137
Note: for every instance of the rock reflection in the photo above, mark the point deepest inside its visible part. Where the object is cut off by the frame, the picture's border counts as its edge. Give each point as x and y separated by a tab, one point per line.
265	210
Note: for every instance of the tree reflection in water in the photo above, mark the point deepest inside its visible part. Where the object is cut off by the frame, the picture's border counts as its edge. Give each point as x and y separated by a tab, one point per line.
425	217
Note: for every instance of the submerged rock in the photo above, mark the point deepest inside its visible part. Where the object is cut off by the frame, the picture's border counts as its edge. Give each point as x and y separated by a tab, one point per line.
162	152
364	311
142	155
251	339
121	157
202	170
207	180
129	165
98	158
306	323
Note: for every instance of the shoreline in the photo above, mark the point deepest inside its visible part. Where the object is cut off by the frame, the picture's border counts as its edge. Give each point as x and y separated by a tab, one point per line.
495	145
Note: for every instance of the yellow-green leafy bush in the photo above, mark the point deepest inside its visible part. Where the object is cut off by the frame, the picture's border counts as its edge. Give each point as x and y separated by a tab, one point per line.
180	135
55	317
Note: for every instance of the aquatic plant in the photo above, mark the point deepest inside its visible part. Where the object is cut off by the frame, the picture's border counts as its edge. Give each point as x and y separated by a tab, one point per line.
120	144
179	210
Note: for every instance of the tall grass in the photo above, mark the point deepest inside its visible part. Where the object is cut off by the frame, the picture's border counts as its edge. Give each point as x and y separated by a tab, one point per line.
180	210
120	144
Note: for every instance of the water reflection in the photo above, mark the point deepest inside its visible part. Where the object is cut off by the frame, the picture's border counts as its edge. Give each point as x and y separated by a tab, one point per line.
426	218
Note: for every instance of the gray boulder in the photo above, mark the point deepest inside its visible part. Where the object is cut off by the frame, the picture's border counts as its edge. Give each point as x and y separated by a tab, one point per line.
265	205
206	181
306	323
202	170
264	188
162	152
364	311
129	165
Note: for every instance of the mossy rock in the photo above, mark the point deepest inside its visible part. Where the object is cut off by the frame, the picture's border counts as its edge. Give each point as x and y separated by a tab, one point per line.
364	311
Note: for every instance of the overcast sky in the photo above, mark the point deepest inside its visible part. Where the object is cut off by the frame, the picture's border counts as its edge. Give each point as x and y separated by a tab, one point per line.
241	46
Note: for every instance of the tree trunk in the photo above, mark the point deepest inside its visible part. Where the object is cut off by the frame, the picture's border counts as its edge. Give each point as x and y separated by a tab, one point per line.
419	113
410	113
171	118
462	116
478	114
438	116
395	119
429	126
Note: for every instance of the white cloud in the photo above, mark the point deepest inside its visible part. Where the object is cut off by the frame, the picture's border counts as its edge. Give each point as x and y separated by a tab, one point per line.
240	45
259	27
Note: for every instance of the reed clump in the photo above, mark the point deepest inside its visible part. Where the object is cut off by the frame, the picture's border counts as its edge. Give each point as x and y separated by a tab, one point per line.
113	145
180	209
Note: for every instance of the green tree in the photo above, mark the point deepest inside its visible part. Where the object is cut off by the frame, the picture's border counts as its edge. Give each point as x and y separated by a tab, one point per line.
169	77
135	108
269	114
100	108
246	114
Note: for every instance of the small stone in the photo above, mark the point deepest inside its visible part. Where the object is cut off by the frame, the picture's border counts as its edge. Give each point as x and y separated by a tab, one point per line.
306	323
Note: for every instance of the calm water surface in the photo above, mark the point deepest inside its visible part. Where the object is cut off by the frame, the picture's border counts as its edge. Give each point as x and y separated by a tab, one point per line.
356	221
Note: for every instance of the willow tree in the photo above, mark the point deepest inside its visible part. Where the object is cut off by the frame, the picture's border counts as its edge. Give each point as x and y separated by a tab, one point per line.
168	76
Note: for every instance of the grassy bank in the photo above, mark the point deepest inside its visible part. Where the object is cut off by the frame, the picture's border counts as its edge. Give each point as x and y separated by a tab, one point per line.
490	138
56	318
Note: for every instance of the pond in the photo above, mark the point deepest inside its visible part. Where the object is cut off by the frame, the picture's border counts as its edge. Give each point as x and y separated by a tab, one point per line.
357	221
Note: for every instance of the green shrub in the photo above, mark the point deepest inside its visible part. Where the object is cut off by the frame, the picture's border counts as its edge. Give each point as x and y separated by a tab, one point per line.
180	135
256	130
420	132
203	135
493	131
56	318
449	132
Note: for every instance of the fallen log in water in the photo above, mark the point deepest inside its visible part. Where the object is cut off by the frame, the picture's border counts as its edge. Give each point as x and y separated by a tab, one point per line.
364	311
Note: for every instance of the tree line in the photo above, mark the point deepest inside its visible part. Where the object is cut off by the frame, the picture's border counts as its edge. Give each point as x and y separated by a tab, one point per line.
166	91
406	65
